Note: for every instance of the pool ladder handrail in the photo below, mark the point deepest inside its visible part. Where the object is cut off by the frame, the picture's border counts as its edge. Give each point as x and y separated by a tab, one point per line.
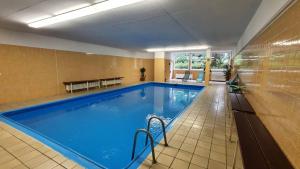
151	143
149	135
163	127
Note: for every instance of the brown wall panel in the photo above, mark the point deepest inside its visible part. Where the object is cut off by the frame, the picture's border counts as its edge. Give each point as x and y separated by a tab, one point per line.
271	74
28	73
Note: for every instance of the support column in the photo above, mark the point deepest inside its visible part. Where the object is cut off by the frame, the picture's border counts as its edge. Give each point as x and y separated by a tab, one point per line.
207	67
159	66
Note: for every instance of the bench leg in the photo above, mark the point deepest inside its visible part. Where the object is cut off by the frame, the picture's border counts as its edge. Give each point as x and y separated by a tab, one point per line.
231	129
235	153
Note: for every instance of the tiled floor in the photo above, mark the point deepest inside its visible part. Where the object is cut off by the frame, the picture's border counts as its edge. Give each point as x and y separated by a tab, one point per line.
199	139
18	150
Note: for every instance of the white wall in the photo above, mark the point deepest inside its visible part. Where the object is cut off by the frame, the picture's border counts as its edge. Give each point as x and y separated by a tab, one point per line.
33	40
159	55
265	13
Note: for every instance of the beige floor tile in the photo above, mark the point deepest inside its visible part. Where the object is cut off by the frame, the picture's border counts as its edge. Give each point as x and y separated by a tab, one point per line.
49	164
218	157
23	151
200	161
158	166
188	147
193	166
203	144
10	164
218	149
190	141
216	165
5	157
144	166
185	156
44	149
170	151
165	159
16	147
193	135
36	161
51	153
59	158
178	138
202	152
159	147
68	164
60	167
78	167
175	144
21	166
218	142
29	156
179	164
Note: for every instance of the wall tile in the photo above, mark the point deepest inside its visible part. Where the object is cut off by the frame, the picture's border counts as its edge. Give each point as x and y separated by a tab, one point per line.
271	75
29	73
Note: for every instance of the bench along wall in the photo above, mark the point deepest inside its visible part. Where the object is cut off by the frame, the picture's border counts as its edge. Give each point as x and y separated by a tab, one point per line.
269	67
28	73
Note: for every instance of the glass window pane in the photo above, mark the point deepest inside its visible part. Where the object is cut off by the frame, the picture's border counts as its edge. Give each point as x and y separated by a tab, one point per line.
181	61
198	60
220	60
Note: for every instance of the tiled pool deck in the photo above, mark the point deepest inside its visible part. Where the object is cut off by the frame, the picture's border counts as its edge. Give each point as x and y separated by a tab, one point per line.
199	139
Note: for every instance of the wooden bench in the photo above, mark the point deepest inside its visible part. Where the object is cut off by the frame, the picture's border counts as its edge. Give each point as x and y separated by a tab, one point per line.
71	86
240	103
111	81
258	148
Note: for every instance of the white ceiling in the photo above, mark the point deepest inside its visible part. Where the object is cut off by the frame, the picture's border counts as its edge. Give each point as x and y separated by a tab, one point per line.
151	23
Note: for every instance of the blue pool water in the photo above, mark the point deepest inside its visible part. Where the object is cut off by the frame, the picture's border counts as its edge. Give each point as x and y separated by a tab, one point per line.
100	127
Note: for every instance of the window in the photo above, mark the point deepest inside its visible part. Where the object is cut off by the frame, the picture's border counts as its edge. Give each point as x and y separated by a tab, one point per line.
198	60
220	60
182	61
189	60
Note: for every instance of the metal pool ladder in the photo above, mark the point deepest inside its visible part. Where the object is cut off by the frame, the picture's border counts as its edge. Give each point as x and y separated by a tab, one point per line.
151	142
163	127
149	135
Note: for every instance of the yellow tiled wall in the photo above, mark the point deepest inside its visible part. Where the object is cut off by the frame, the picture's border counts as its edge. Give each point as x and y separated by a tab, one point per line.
159	70
27	73
270	70
167	69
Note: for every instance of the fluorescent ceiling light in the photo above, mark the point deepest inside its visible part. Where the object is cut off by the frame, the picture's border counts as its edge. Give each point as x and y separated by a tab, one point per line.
84	11
73	8
287	43
38	19
202	47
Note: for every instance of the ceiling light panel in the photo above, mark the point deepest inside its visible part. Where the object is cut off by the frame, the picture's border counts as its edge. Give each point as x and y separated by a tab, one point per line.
83	11
170	49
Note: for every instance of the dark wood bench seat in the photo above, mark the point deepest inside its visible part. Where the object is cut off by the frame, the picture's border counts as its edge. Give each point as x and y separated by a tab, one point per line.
274	156
250	150
240	103
258	148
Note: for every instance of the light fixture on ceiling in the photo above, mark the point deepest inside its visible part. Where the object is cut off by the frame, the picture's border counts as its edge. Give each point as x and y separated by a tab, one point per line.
287	42
73	8
81	12
170	49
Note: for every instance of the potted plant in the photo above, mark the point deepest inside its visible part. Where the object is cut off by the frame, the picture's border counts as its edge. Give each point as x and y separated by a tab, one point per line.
227	72
236	88
143	76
